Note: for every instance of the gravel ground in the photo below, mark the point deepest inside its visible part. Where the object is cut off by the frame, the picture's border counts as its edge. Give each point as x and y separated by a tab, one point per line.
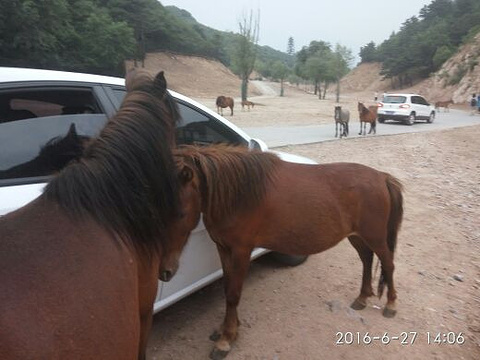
303	312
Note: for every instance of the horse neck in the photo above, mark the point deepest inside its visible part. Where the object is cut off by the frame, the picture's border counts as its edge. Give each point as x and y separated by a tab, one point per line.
232	179
125	180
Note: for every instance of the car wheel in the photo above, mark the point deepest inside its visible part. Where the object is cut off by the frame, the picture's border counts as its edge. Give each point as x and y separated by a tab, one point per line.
381	120
431	118
411	119
287	260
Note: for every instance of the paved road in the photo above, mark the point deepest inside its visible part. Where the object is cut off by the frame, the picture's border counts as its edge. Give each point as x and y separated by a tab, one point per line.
276	136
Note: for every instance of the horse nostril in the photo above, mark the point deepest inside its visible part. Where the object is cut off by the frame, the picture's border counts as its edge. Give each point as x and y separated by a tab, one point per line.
166	275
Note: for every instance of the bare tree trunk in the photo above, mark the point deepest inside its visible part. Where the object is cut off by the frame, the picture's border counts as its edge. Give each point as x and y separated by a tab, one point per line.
338	91
244	90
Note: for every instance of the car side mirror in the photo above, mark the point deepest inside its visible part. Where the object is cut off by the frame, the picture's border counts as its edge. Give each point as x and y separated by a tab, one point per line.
257	144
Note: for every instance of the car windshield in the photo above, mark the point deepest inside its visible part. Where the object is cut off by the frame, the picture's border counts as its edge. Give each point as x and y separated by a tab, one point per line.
394	99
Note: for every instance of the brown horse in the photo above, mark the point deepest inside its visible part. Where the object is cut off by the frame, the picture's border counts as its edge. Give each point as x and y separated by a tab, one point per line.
79	265
444	104
248	104
252	199
224	102
367	115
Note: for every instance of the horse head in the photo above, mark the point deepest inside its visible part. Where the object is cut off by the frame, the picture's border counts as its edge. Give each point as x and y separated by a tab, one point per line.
338	110
179	230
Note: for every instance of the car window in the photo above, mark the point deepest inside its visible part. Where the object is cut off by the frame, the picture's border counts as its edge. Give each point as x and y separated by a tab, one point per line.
422	101
42	129
197	128
389	99
119	94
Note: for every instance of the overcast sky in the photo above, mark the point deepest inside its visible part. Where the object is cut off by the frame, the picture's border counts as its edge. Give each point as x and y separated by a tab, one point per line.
351	23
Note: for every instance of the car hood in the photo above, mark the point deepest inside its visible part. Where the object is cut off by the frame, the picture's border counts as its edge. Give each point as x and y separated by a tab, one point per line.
294	158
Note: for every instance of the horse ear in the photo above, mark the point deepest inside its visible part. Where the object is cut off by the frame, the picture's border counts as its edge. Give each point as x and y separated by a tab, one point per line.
185	175
72	131
160	83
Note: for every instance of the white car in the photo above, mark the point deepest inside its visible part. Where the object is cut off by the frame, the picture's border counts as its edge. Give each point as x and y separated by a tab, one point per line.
39	106
406	108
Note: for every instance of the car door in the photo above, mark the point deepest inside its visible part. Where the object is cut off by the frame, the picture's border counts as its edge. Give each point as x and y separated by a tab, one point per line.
419	107
425	107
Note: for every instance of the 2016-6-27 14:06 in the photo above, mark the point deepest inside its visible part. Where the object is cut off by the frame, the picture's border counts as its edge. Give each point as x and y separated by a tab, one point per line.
404	338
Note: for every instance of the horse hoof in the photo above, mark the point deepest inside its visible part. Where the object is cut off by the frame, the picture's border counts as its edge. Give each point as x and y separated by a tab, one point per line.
215	335
218	354
389	313
358	305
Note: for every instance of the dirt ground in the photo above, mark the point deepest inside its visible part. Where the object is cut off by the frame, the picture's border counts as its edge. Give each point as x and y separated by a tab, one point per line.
303	312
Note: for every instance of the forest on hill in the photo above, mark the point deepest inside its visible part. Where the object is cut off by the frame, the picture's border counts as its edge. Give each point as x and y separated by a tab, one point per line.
425	42
97	36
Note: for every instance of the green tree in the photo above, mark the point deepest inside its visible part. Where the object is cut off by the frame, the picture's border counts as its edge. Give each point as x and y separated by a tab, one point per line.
280	71
291	46
246	50
339	66
312	63
368	53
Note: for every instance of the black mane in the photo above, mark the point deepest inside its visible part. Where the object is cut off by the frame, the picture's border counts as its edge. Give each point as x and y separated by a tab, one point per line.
126	179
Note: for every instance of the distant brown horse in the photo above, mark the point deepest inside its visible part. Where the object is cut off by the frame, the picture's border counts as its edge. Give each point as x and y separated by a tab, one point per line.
224	102
248	104
367	115
79	265
253	199
444	104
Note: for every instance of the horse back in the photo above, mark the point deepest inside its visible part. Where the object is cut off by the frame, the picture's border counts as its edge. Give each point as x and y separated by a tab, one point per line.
57	297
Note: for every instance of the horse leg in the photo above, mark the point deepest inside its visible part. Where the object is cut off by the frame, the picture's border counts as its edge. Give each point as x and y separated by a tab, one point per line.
366	255
235	263
336	129
386	259
231	110
364	127
145	326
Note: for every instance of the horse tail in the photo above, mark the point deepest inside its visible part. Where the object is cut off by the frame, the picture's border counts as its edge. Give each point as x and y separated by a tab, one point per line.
395	188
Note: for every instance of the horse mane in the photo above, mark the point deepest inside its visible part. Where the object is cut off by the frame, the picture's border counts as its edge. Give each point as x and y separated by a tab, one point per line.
125	179
232	178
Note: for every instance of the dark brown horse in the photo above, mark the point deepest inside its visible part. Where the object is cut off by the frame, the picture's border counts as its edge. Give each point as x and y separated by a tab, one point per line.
367	115
254	199
224	102
79	265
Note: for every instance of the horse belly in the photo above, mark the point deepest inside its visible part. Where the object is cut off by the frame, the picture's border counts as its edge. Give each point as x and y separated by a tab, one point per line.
297	235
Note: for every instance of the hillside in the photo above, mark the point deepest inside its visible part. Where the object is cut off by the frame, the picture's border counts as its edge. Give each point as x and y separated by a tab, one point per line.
201	77
457	79
195	76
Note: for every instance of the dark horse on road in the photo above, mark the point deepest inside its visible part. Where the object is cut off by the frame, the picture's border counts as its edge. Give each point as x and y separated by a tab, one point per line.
342	117
79	266
254	199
